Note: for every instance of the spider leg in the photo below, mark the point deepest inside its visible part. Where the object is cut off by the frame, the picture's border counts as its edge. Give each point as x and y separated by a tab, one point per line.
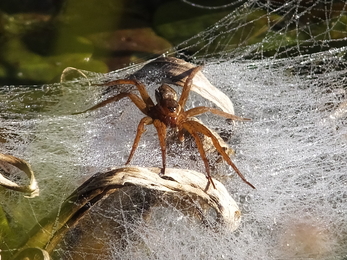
201	150
200	110
161	129
140	130
198	127
187	86
134	98
140	87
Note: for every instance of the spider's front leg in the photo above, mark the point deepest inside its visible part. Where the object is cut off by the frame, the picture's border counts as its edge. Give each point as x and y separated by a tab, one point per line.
144	103
134	98
140	87
140	130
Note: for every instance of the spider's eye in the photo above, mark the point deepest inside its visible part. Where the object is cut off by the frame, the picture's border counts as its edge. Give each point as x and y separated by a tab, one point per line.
172	109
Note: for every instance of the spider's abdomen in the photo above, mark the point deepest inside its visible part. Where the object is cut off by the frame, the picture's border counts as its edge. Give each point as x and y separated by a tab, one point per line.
165	92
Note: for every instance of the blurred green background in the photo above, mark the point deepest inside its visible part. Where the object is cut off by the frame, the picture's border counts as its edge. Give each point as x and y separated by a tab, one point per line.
39	38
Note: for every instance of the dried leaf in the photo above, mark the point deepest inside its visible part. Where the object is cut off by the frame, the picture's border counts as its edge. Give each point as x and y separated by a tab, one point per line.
32	253
31	188
175	71
71	74
49	231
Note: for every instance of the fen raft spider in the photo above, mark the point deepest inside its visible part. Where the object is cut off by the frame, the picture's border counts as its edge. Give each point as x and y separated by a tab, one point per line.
168	112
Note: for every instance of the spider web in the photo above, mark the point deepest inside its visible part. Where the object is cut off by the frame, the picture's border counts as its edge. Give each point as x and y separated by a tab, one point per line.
283	65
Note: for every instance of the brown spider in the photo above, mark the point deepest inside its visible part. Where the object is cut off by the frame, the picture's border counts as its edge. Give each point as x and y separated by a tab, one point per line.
168	112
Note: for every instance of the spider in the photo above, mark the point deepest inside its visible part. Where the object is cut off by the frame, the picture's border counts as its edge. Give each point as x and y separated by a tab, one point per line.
169	112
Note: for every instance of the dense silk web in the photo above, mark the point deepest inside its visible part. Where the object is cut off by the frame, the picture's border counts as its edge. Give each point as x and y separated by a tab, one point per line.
285	68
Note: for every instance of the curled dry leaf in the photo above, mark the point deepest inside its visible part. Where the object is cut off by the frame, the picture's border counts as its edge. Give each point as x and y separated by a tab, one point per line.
71	72
175	71
49	231
31	188
74	74
32	253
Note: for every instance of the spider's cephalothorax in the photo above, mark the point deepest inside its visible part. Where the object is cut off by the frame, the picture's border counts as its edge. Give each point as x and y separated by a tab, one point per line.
167	109
169	112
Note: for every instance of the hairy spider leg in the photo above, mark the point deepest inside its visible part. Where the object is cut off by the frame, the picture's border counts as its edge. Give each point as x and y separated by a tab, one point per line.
161	129
187	86
200	110
134	98
140	130
198	127
140	87
201	150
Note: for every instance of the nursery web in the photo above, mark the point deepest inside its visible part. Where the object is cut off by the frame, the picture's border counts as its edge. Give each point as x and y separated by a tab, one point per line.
283	65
